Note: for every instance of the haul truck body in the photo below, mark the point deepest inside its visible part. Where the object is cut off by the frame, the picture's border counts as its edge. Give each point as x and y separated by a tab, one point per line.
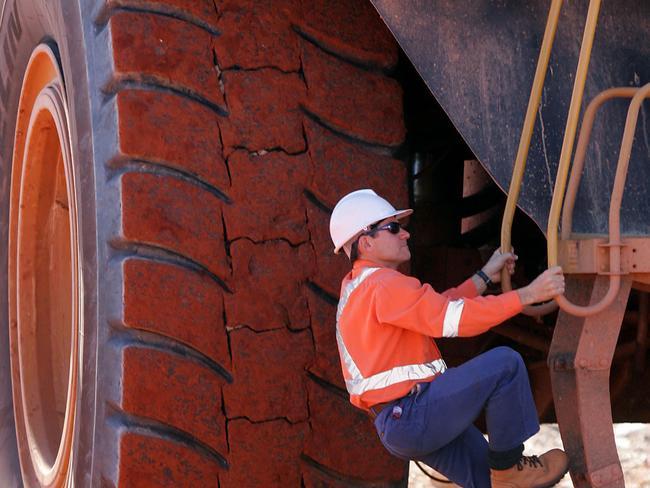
167	170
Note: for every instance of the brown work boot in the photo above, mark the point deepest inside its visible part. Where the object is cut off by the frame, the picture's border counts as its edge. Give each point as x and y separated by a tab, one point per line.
532	471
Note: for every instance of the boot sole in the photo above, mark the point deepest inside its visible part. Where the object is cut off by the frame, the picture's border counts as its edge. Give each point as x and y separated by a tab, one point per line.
555	482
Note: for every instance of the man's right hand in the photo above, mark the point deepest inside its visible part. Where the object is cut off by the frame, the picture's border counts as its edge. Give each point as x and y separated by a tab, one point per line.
547	285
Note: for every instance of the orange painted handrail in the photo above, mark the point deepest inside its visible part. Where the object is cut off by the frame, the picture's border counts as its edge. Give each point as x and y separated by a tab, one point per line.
581	150
522	152
614	206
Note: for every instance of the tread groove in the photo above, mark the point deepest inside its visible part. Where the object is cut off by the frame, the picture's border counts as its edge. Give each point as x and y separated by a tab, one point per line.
123	165
321	293
316	201
108	11
128	336
363	65
374	147
125	249
153	428
347	480
329	386
155	83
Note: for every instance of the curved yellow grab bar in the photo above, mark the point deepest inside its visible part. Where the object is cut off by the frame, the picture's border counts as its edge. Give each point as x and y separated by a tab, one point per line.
522	151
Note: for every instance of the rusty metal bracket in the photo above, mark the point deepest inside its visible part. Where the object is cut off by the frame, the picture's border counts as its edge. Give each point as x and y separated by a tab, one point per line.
580	359
561	362
592	256
568	362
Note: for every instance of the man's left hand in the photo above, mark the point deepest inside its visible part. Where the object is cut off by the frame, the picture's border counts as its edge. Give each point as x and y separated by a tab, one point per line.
496	263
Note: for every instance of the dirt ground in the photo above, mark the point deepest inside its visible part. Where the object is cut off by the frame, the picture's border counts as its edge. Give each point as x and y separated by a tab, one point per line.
632	440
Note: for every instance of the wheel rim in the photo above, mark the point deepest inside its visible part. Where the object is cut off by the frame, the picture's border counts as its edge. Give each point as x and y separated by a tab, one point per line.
44	278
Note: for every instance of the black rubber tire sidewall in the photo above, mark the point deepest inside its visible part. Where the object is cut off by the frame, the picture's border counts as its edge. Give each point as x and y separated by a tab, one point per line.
58	24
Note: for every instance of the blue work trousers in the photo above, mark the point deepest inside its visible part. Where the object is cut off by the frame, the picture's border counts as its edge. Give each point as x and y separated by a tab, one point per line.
436	424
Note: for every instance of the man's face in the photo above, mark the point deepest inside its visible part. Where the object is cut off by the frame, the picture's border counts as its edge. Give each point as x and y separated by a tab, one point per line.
386	248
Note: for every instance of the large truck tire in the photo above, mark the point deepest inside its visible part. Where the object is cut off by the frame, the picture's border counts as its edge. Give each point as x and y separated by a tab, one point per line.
168	294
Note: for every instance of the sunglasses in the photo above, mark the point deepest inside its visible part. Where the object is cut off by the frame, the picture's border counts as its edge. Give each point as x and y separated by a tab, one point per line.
392	227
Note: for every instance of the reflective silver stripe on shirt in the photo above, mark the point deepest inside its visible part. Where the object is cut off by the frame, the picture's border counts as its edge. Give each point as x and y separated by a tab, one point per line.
452	318
357	384
345	355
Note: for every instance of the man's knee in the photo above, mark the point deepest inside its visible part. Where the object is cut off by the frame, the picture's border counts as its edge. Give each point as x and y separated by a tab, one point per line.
508	358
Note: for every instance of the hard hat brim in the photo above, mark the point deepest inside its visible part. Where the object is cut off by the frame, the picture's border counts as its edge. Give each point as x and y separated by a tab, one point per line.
398	214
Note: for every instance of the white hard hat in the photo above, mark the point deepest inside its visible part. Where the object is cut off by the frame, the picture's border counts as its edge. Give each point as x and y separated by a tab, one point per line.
356	211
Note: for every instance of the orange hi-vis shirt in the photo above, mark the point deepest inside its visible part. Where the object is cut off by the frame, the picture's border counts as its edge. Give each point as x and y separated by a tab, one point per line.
385	325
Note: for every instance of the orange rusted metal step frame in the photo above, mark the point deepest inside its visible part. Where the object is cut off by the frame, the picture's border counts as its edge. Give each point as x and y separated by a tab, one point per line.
580	360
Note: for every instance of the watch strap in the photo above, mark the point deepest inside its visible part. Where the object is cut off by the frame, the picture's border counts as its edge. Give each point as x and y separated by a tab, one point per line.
481	274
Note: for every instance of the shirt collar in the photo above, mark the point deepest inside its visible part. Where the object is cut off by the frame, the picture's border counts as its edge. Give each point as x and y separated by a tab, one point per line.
359	264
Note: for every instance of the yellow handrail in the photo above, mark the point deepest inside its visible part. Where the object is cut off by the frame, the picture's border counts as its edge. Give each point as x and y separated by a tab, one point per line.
563	167
570	131
524	145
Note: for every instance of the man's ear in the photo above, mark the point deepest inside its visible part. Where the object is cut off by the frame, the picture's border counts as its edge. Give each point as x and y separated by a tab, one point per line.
365	243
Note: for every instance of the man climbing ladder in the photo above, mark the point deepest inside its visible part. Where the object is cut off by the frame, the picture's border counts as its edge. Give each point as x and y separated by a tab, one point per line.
394	370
